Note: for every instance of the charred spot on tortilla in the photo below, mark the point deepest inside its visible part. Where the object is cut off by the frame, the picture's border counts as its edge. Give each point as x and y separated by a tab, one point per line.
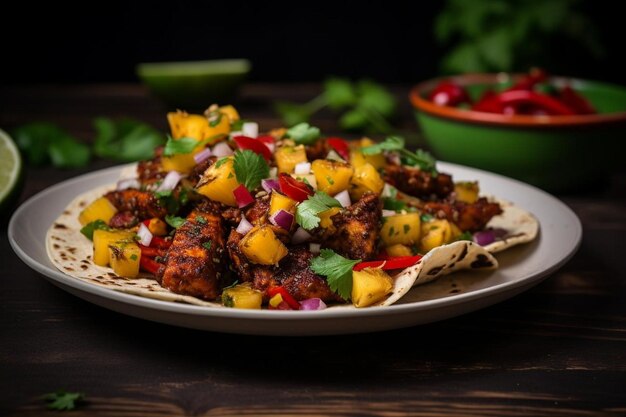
455	291
71	249
84	267
60	226
56	246
82	204
435	270
67	268
481	261
463	253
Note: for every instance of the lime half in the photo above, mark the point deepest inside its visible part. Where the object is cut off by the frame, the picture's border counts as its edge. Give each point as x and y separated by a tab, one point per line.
194	85
10	170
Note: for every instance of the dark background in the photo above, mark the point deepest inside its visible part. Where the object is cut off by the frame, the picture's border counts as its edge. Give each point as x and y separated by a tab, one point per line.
391	42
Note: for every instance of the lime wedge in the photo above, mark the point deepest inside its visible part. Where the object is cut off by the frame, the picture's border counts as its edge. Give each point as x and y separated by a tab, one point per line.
10	171
194	84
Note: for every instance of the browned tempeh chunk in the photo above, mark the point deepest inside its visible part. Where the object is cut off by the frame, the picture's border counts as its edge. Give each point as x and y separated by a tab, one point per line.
142	204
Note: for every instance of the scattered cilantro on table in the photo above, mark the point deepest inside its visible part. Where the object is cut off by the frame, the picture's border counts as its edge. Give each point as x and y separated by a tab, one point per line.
64	401
308	211
43	143
337	270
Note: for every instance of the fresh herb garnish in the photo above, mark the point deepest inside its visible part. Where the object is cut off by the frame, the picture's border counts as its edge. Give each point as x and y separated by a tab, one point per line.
221	162
62	400
186	145
89	228
215	120
237	125
133	257
330	180
250	168
42	143
426	217
303	133
125	139
201	219
419	158
163	193
168	201
174	221
396	205
207	245
406	228
307	211
465	236
337	270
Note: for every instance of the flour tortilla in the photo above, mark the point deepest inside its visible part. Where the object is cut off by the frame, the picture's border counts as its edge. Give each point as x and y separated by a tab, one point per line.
71	253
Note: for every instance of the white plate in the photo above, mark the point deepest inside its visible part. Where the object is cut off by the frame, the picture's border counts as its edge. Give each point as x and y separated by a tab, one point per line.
520	268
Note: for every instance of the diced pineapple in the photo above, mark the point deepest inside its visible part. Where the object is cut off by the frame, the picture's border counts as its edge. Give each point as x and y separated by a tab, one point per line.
435	233
308	179
219	181
357	159
332	177
157	227
101	241
398	250
182	162
261	246
230	112
100	209
325	217
287	157
401	228
365	179
196	126
242	296
124	258
369	286
466	192
281	202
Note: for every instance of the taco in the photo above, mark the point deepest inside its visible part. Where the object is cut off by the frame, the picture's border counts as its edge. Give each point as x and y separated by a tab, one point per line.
286	220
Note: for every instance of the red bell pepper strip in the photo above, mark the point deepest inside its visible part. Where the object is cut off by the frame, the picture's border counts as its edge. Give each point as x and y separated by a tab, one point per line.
151	252
160	243
575	101
397	262
526	83
244	142
149	264
293	188
285	295
499	102
266	139
340	146
449	93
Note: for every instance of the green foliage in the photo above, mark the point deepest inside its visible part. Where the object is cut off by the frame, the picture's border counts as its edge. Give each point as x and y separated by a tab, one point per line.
43	143
63	401
506	35
125	140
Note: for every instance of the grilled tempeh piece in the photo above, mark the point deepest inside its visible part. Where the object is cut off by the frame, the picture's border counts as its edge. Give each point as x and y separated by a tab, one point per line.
355	230
418	183
194	264
470	217
142	204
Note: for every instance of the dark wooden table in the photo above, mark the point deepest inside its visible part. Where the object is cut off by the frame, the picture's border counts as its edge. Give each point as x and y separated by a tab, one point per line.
556	350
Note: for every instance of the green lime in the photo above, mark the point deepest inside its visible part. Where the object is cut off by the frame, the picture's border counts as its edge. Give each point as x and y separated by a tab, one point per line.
194	84
10	171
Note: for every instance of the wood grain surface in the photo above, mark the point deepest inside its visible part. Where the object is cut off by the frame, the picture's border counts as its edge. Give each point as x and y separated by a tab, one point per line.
556	350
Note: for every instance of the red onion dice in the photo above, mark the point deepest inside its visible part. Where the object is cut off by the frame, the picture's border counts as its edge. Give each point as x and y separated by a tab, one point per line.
282	219
145	235
300	236
222	149
128	183
484	238
202	156
170	181
314	248
303	168
312	304
243	196
269	185
389	213
244	226
250	129
343	198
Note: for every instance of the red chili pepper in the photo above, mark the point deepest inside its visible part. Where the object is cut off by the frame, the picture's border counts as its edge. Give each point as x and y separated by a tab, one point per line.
266	139
159	242
293	188
340	146
149	264
449	93
151	252
285	295
575	101
397	262
243	196
244	142
526	83
499	102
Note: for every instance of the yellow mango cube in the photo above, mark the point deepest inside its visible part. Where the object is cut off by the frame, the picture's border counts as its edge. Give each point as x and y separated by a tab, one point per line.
230	112
219	181
332	177
398	250
287	157
358	159
100	209
325	217
198	127
365	179
369	286
261	246
124	258
101	241
242	296
280	201
435	233
401	229
466	192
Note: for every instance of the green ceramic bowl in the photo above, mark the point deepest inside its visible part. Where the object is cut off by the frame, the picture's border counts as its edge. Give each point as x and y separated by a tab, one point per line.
194	85
557	153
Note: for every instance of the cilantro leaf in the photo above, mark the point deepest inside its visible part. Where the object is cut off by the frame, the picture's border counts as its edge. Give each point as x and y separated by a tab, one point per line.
304	133
465	236
337	270
375	97
174	221
186	145
42	142
125	139
391	143
250	168
207	244
292	113
89	228
307	211
62	400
